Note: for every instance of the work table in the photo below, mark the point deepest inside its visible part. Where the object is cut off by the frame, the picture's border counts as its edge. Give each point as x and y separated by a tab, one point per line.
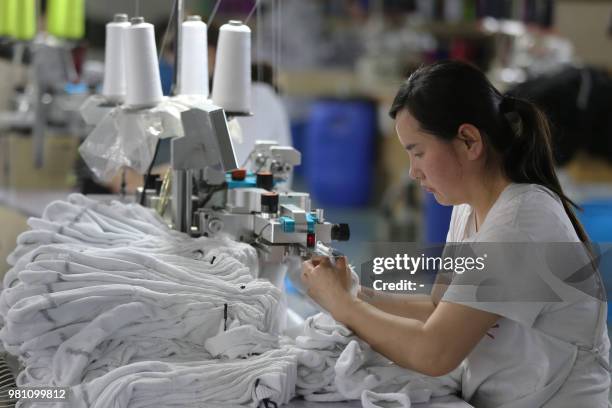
443	402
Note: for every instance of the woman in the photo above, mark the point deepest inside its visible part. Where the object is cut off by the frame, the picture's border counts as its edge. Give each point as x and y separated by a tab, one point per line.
490	157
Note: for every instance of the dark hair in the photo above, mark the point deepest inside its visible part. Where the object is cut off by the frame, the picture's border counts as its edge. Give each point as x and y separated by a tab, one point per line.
262	71
212	35
445	95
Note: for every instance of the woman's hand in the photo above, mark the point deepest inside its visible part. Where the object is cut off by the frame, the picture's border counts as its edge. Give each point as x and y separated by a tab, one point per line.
328	285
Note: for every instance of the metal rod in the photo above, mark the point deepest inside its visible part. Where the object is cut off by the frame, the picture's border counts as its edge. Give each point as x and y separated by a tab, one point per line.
188	218
279	44
179	200
41	104
179	13
259	33
38	17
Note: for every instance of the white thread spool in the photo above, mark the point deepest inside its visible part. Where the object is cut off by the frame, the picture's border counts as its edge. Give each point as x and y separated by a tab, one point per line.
114	59
232	78
143	84
194	58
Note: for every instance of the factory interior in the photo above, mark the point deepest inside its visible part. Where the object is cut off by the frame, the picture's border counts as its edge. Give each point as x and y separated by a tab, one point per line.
177	175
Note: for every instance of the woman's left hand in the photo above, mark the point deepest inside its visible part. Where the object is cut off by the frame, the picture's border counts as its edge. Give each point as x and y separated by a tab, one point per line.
327	284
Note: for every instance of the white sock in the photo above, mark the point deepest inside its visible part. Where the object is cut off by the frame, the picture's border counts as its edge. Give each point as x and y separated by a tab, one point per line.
371	399
240	341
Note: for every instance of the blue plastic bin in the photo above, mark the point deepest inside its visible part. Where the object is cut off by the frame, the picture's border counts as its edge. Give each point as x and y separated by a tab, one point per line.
437	220
340	138
597	221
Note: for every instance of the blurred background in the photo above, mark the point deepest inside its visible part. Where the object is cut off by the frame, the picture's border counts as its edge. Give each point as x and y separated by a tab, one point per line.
328	70
335	66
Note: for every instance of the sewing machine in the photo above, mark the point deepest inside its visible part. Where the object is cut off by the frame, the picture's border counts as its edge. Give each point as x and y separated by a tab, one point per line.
211	196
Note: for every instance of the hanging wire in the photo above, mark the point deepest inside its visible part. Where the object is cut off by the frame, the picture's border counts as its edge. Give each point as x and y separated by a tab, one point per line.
259	43
213	13
255	7
277	42
258	65
280	45
274	39
162	47
136	8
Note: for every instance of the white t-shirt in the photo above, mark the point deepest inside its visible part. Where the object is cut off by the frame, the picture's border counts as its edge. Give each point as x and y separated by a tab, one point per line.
536	355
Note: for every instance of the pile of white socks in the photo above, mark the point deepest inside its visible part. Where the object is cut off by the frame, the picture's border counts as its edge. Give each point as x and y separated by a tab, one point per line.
84	222
335	365
209	383
109	301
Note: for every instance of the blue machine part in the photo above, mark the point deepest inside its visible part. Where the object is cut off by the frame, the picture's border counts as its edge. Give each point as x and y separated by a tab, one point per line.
310	221
75	89
287	224
249	181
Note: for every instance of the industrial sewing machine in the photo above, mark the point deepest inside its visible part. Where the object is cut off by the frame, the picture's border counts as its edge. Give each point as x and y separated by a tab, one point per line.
211	196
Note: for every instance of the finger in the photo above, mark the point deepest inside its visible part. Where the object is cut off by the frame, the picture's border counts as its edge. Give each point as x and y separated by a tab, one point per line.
306	275
341	263
324	261
316	260
307	266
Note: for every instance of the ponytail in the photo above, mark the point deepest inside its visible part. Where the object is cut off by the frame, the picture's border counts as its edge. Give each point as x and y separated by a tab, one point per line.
529	158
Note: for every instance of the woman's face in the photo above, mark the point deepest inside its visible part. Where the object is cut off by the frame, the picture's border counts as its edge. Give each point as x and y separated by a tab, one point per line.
434	163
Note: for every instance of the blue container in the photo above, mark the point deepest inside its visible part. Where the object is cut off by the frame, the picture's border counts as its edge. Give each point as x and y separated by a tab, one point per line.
166	75
340	138
597	221
437	220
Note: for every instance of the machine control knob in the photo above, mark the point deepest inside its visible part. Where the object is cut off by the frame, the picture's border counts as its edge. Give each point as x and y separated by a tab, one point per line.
215	225
239	174
265	180
340	232
269	203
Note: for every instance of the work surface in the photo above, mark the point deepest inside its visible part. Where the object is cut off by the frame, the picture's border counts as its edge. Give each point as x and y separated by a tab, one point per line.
30	203
445	402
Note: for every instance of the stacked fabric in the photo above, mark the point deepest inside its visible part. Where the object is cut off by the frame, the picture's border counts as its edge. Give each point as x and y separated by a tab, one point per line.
64	297
83	222
107	297
335	365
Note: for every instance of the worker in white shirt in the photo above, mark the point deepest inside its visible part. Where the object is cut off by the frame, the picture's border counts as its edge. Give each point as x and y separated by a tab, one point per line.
270	120
489	156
